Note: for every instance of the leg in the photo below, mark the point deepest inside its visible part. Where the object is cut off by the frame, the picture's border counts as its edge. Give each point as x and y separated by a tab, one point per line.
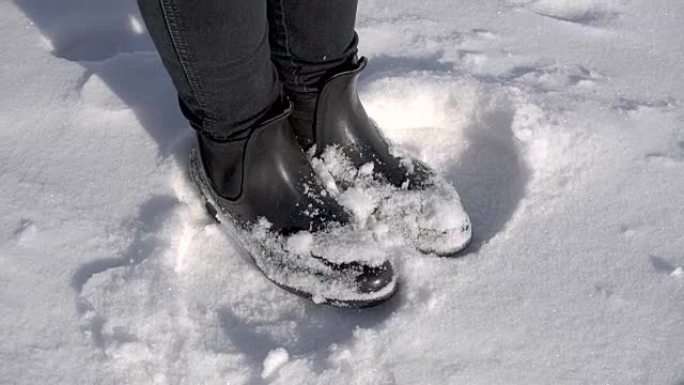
252	173
218	56
311	40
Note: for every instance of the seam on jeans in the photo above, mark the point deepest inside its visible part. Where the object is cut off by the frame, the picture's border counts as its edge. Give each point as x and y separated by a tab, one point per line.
180	47
287	43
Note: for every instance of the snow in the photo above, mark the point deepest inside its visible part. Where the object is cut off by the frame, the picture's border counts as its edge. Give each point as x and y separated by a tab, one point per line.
275	359
560	122
358	202
431	218
299	243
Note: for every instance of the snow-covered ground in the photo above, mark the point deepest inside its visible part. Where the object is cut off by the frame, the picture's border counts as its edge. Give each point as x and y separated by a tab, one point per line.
561	122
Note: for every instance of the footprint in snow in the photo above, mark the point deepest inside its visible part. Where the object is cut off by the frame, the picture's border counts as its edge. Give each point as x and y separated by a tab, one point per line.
491	173
88	30
539	74
25	231
673	157
151	218
585	13
133	305
665	266
95	34
630	107
112	293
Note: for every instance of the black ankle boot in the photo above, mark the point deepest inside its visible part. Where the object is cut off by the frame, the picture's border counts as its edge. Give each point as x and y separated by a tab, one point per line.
297	234
412	197
337	117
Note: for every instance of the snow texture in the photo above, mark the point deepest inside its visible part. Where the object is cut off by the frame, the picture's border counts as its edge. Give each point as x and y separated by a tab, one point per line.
430	218
560	122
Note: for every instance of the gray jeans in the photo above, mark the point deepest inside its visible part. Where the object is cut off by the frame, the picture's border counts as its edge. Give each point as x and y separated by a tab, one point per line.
231	59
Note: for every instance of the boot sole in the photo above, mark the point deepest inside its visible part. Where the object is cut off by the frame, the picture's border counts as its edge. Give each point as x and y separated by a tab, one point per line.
455	253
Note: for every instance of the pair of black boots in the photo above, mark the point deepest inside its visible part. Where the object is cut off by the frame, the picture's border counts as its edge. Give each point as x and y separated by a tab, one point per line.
289	220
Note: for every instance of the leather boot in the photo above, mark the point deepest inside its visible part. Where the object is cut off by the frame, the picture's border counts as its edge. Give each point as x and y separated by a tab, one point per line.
264	191
413	198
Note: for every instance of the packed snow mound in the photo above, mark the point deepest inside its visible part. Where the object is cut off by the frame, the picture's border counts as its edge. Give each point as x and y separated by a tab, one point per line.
560	123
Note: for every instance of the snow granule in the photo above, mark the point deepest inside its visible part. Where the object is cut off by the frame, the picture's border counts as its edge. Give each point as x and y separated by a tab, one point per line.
300	243
359	202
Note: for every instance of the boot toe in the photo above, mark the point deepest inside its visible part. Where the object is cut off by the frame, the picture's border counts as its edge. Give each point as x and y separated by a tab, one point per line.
374	279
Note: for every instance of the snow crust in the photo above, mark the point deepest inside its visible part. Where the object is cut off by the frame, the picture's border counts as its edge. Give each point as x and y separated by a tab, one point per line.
560	123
